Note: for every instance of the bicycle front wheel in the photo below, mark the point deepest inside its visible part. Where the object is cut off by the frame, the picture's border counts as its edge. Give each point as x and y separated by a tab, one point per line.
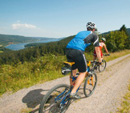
102	67
55	101
90	84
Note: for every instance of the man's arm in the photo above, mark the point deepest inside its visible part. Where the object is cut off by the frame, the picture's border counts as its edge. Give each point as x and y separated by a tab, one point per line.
94	38
91	38
105	49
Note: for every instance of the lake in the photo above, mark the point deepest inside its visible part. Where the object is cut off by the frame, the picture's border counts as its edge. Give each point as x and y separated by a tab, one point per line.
22	45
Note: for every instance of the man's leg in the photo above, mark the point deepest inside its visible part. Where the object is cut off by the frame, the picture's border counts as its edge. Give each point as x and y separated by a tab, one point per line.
94	55
94	58
74	74
101	56
80	62
79	80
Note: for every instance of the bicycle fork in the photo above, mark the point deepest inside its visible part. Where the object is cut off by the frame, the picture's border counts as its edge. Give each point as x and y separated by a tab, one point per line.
90	81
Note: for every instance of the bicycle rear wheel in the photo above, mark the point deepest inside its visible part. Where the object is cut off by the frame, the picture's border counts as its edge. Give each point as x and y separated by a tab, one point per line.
55	101
90	84
102	67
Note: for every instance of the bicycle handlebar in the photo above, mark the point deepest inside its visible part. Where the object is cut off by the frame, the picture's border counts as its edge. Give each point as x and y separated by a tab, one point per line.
106	54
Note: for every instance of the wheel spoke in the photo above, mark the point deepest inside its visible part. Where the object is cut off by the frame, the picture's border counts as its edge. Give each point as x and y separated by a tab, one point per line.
55	100
48	108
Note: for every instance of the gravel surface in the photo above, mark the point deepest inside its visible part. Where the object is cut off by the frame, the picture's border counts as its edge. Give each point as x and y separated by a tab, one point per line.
111	87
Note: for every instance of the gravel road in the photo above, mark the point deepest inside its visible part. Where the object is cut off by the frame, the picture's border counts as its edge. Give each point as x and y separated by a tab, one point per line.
111	87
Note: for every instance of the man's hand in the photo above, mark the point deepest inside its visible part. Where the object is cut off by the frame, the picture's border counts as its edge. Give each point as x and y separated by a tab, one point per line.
107	54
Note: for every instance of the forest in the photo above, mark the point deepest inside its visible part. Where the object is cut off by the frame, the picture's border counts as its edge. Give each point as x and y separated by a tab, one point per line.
41	63
115	41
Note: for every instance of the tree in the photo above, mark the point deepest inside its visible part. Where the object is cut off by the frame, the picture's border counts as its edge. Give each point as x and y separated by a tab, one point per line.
123	28
127	41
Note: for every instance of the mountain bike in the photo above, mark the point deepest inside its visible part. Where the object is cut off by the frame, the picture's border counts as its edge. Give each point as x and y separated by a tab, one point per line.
100	68
57	100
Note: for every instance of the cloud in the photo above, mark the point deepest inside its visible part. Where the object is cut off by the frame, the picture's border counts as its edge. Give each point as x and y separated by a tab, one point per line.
23	26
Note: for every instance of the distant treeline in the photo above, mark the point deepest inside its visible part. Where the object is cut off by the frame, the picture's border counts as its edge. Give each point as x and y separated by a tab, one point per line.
30	54
9	39
116	40
13	39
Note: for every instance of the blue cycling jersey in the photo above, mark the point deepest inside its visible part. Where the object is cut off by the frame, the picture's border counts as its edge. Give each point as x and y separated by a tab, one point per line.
78	41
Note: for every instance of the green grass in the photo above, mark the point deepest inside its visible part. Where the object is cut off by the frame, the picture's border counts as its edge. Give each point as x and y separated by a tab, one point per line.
13	78
46	68
125	106
1	51
116	55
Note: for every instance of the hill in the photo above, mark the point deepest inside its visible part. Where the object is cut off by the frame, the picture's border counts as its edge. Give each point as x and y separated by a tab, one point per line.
116	41
13	39
128	30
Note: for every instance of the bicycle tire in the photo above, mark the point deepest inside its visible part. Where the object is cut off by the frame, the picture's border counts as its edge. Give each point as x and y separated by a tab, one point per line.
89	86
49	97
93	67
102	67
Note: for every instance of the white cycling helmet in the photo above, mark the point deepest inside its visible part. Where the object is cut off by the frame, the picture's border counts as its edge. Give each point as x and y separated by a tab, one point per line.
91	25
103	39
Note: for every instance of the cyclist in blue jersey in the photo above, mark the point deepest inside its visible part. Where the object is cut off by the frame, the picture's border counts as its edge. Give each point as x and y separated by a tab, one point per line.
75	53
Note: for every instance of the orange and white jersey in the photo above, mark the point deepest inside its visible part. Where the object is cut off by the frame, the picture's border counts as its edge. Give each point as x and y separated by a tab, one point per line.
101	44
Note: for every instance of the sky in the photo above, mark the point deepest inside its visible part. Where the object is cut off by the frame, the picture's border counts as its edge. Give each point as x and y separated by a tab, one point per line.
61	18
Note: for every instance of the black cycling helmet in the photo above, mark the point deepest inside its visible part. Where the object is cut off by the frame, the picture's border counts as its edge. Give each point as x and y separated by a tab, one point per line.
90	25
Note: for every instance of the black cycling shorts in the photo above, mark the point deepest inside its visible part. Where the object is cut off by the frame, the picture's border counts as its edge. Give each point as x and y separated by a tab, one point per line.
78	57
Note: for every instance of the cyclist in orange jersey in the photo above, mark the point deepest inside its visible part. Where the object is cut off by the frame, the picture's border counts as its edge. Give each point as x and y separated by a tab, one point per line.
101	45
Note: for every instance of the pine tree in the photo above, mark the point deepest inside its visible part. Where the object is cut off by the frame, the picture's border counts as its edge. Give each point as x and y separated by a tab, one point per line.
127	40
123	28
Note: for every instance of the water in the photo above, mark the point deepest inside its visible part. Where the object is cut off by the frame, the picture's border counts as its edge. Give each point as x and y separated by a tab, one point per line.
22	45
16	46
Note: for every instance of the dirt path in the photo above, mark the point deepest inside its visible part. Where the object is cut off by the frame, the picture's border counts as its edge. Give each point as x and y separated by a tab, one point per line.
112	85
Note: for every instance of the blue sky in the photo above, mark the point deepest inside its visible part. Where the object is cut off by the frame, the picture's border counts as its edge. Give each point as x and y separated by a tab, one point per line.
61	18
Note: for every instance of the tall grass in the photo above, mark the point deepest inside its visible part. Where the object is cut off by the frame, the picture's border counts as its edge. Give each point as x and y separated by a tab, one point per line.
13	78
125	106
48	67
1	51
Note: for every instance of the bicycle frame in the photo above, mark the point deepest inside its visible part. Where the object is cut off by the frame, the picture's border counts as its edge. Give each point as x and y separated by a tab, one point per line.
59	96
73	79
63	98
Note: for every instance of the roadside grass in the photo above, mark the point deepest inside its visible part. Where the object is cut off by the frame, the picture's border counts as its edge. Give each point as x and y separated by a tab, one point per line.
13	78
125	106
46	68
1	51
116	55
